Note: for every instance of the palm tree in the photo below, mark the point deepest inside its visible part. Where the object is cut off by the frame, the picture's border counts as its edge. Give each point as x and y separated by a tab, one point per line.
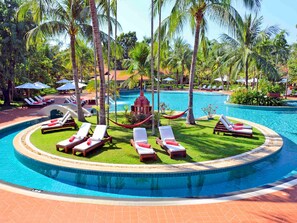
152	68
139	65
99	54
65	16
195	13
180	58
246	46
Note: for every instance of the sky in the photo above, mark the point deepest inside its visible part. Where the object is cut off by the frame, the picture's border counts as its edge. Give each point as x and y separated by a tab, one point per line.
134	15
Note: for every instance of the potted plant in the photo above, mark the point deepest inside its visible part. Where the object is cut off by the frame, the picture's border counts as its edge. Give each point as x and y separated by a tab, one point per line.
210	111
274	91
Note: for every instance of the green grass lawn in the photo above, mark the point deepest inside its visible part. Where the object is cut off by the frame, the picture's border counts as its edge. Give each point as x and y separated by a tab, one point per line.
199	140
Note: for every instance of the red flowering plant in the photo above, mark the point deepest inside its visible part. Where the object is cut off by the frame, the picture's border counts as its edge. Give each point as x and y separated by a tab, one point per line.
209	111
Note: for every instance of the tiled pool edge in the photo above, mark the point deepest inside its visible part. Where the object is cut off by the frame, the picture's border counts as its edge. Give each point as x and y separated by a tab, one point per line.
273	143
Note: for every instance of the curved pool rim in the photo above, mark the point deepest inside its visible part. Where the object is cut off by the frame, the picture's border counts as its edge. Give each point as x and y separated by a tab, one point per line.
269	188
259	107
273	143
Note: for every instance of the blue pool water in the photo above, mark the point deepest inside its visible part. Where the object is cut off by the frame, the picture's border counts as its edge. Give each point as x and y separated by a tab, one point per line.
115	185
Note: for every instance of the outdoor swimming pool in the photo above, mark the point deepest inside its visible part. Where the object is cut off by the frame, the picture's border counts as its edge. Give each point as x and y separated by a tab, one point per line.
115	185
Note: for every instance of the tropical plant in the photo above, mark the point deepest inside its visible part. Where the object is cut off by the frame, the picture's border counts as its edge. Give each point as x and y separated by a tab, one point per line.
247	46
195	13
99	57
179	58
65	16
12	47
253	97
138	65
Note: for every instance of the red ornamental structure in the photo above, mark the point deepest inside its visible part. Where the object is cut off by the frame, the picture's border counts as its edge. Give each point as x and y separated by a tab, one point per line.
141	105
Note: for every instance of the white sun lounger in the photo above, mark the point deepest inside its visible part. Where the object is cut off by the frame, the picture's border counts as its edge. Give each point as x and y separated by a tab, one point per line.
234	124
38	101
57	119
97	139
168	142
76	139
222	126
140	143
59	125
30	104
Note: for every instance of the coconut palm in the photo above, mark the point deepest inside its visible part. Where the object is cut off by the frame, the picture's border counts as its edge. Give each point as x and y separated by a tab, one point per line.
99	55
138	65
247	48
195	13
65	16
180	58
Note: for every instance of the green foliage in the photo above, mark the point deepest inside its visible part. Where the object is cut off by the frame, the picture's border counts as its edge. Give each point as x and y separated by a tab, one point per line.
128	42
12	46
49	91
252	97
274	88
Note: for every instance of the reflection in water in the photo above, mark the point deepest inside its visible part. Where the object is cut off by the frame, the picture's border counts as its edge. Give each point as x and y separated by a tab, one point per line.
81	179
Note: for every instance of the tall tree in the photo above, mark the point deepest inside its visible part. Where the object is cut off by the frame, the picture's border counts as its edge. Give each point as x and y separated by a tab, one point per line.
138	65
65	16
127	41
12	46
99	55
195	13
246	42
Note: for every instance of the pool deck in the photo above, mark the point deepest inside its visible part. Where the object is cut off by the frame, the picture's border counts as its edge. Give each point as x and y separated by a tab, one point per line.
279	206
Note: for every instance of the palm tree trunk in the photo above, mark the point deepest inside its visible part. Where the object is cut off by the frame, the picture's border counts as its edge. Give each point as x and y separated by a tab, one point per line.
80	114
108	59
247	74
152	68
115	60
99	55
176	77
159	59
190	117
182	76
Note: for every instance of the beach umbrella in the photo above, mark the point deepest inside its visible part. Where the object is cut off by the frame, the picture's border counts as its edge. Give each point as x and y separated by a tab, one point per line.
70	86
28	86
241	80
219	79
168	79
41	85
63	81
283	81
253	80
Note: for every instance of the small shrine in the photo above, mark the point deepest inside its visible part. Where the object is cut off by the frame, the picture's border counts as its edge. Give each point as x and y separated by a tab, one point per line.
141	106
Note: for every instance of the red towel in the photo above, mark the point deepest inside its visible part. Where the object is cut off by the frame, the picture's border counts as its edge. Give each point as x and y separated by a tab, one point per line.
174	143
238	124
36	103
144	145
51	124
71	138
89	141
54	120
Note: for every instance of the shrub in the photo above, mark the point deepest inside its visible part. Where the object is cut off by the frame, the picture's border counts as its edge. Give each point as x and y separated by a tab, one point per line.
252	97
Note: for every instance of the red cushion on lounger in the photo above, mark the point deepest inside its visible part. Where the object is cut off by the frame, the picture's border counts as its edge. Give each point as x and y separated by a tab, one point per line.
237	128
238	124
36	103
51	124
54	120
71	138
172	143
89	141
144	145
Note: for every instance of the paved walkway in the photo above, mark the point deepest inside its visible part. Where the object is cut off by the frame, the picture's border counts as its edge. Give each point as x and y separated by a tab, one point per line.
278	207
